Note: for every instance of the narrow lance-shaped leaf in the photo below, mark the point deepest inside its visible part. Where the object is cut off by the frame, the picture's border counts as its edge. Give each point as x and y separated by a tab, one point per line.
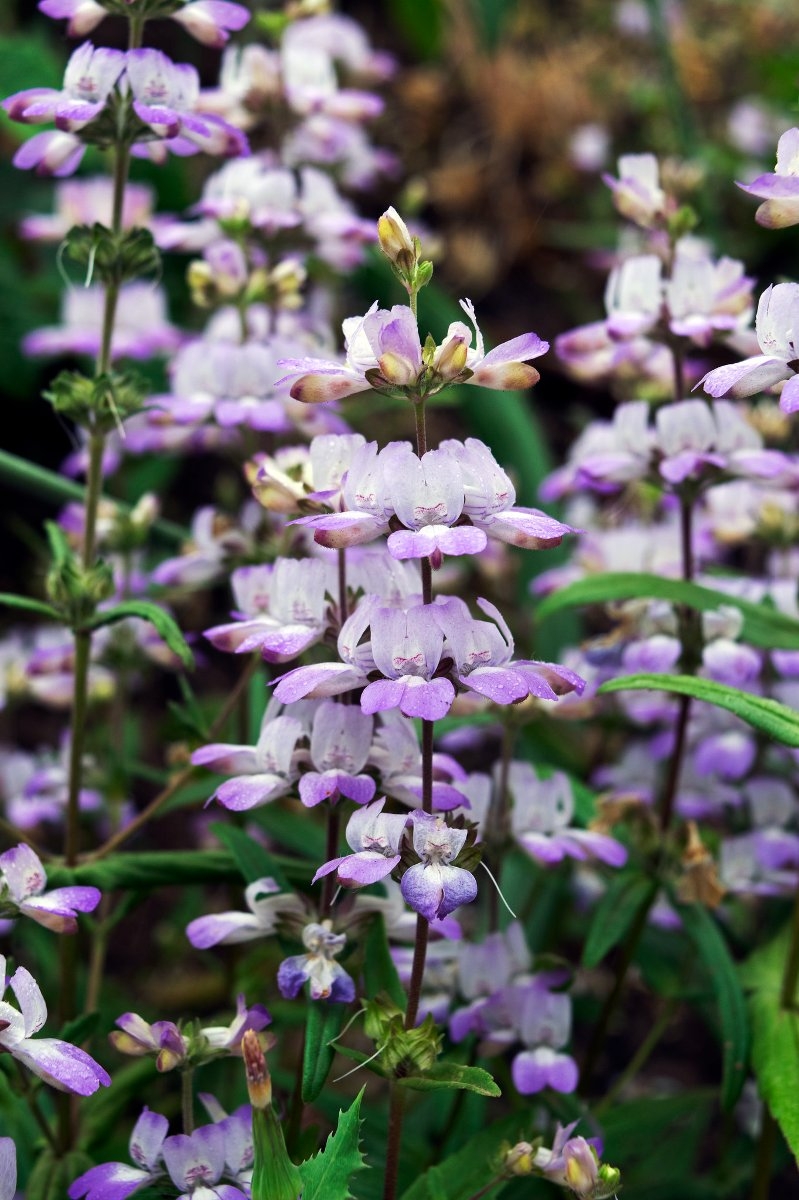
453	1075
164	624
777	720
762	625
715	956
28	604
253	860
624	899
322	1026
149	869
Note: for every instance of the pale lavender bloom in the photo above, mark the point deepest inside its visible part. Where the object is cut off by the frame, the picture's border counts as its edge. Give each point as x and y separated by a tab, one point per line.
138	1038
249	79
327	979
541	821
343	40
705	298
310	85
779	190
572	1163
333	678
8	1168
35	787
407	647
340	740
772	801
260	773
196	1164
544	1025
165	97
84	202
592	356
397	756
692	436
637	193
257	189
366	502
331	142
62	1065
226	1039
266	903
375	839
775	325
506	367
50	153
282	609
485	971
483	657
214	540
89	78
427	495
209	21
434	887
633	296
117	1181
22	883
141	327
333	222
762	863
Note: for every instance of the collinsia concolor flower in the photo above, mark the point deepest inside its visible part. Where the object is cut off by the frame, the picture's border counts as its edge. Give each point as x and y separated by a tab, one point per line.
22	883
120	1180
433	886
541	819
196	1165
775	325
341	737
281	606
267	904
327	979
544	1023
779	190
62	1065
260	773
209	21
637	193
375	839
88	81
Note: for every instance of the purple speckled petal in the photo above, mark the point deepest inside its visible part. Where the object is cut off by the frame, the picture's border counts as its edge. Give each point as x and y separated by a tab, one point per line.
226	759
324	679
503	685
421	543
223	929
147	1139
250	791
542	848
367	866
63	1066
195	1158
382	695
789	396
746	377
435	890
600	845
109	1181
429	700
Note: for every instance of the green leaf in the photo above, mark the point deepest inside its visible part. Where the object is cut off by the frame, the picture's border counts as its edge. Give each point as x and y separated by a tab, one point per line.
775	1036
626	897
453	1075
51	1177
762	626
322	1026
29	605
253	860
102	1113
80	1028
474	1165
715	957
379	972
777	720
164	623
274	1175
327	1175
150	869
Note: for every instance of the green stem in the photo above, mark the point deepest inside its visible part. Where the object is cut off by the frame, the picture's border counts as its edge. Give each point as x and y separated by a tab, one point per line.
33	1104
187	1099
296	1107
640	1057
761	1184
791	972
396	1112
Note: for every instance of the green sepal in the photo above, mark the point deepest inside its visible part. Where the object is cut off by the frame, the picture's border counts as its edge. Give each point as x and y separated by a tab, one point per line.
274	1175
75	590
322	1026
777	720
99	403
110	258
327	1175
453	1075
163	622
402	1051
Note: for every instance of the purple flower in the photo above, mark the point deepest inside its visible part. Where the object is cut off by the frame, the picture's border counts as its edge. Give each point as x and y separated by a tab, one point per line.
433	887
637	193
141	329
427	494
88	80
52	153
266	903
282	609
397	756
542	812
116	1181
58	1063
214	539
776	320
705	298
8	1169
544	1023
84	202
196	1163
262	772
340	740
407	648
138	1038
779	190
573	1163
332	678
375	838
327	979
22	884
209	21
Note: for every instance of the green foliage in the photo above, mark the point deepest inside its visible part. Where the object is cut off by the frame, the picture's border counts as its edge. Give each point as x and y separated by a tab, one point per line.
148	869
474	1165
253	860
322	1026
763	625
52	1175
327	1175
627	896
274	1175
27	604
379	972
165	624
453	1075
112	258
98	402
715	957
777	720
775	1036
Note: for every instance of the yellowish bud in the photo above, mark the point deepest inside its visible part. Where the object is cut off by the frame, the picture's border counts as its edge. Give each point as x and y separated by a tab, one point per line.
395	240
259	1083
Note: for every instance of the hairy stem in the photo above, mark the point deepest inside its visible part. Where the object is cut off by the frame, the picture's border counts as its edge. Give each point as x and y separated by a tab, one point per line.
396	1113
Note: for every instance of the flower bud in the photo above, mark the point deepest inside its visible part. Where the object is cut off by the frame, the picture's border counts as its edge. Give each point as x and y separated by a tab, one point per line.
519	1159
200	279
395	241
259	1083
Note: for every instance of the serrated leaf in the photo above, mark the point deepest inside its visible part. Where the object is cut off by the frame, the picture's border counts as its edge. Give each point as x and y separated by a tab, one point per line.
327	1175
158	617
762	625
715	956
28	604
150	869
624	899
253	860
775	1036
777	720
322	1026
453	1075
379	971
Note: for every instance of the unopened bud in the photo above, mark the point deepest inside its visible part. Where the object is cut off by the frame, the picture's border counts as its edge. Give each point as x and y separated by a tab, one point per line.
519	1159
451	358
200	279
259	1083
145	511
395	240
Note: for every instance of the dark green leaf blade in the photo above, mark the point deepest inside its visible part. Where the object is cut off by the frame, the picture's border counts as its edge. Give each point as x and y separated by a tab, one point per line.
777	720
163	622
762	625
149	869
704	933
28	604
322	1026
453	1075
253	860
625	897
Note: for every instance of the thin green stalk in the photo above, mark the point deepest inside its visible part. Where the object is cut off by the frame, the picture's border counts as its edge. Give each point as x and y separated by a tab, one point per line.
396	1112
766	1144
187	1099
640	1057
296	1106
33	1104
791	972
